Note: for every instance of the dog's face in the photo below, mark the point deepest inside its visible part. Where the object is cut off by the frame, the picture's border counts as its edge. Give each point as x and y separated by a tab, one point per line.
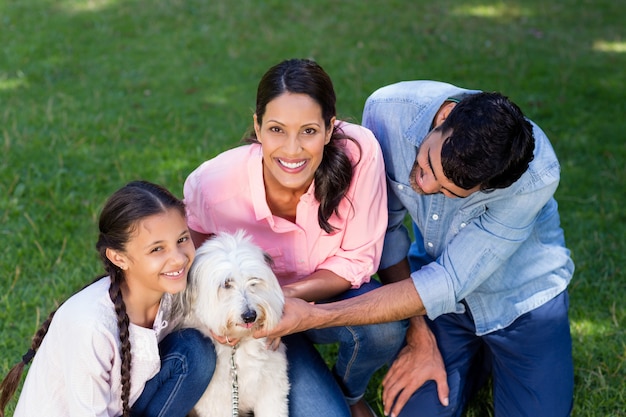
232	288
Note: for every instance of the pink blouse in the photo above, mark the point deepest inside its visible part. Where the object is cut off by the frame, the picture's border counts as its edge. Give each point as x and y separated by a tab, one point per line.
227	193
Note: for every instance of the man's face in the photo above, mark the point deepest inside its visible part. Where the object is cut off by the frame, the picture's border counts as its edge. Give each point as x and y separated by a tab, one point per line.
427	173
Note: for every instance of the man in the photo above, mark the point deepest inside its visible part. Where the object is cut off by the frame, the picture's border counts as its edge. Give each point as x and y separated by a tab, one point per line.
488	265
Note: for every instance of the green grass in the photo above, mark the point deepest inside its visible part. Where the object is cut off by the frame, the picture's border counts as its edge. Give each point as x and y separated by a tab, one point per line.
95	93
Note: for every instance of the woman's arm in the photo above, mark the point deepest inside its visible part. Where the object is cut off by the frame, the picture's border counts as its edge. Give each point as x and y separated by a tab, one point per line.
363	210
199	238
320	285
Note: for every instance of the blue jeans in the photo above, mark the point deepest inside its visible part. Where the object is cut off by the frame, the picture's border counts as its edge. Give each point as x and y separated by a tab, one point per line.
315	390
530	363
187	365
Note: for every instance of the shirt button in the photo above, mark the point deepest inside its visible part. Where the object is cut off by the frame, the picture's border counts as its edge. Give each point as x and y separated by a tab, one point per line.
435	217
430	244
463	225
400	187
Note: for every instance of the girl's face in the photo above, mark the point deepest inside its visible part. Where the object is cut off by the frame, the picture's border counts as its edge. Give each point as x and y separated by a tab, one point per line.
292	135
158	255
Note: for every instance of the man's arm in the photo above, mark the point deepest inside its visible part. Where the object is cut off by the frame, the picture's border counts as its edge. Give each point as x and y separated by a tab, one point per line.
391	302
419	361
394	301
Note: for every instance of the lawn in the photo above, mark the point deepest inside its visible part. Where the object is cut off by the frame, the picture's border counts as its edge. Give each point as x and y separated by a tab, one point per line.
95	93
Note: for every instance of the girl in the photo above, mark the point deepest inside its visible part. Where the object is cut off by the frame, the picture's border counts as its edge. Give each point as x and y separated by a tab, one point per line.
83	364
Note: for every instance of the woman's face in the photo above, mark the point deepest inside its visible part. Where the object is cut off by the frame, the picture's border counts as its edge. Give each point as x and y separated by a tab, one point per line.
292	135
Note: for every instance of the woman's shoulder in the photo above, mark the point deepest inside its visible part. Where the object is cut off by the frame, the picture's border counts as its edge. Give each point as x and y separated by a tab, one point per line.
367	146
356	131
230	160
237	153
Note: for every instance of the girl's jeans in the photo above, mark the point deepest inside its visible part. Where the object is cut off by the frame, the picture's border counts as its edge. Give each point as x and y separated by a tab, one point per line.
187	365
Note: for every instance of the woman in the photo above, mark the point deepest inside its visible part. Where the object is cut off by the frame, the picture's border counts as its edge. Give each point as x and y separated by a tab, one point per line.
83	365
311	192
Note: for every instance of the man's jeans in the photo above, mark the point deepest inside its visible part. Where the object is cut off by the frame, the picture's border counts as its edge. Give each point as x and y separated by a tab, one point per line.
530	362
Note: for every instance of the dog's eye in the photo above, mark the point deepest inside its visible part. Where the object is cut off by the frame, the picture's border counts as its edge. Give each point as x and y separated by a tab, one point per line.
253	281
228	284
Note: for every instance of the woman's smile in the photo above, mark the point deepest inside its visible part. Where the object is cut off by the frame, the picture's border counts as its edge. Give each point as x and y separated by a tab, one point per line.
291	164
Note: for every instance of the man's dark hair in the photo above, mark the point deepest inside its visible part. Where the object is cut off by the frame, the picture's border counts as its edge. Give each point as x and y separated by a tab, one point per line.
491	143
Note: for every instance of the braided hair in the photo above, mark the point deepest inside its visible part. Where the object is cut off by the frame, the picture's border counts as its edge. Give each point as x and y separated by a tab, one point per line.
118	220
12	379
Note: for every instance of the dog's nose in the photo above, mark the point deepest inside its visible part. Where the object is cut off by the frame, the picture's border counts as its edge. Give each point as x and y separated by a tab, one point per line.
249	316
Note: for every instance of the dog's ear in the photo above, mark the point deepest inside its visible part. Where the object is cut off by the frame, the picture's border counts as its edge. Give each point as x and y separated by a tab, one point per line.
268	259
178	307
190	293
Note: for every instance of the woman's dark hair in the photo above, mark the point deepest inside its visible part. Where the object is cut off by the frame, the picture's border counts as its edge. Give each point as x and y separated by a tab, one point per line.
118	221
334	175
491	144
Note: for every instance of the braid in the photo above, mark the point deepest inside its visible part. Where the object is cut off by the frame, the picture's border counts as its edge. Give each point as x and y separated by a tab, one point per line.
332	179
12	380
118	220
115	292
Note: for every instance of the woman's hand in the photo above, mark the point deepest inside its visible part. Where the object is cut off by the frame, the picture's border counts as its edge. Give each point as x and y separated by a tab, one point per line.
224	340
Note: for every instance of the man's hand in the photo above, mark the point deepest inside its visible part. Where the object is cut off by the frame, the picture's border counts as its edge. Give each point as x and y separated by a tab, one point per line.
295	319
419	361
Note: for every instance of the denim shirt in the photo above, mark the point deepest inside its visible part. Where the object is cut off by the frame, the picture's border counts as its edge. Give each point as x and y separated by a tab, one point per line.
501	252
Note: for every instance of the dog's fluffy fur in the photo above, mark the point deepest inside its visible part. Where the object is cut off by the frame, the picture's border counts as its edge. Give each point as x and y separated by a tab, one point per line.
231	291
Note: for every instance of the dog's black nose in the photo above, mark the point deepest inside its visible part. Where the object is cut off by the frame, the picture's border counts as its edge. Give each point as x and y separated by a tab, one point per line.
249	316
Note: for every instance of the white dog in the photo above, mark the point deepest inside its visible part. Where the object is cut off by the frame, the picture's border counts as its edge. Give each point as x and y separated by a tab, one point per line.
231	291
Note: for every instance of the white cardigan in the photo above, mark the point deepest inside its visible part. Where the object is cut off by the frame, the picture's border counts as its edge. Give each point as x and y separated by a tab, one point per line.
76	371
